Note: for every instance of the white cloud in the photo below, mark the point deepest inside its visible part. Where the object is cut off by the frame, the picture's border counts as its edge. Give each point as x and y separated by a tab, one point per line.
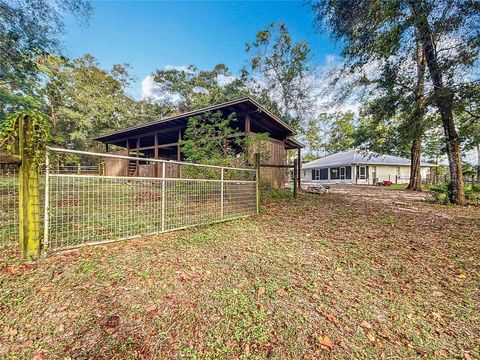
471	157
152	92
183	68
148	85
330	59
225	79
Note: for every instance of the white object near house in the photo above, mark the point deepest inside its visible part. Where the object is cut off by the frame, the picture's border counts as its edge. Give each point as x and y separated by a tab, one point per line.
360	167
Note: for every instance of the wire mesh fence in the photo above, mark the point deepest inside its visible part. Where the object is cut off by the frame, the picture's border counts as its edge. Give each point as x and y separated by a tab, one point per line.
149	196
8	206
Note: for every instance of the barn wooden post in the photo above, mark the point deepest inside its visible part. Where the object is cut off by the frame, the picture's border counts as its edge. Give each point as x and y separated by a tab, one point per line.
179	156
155	153
257	166
29	197
137	164
128	154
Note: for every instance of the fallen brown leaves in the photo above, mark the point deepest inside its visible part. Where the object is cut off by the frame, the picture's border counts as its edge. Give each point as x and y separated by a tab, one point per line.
345	275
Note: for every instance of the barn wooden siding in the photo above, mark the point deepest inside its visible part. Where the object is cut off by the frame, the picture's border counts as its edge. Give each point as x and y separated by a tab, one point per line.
274	178
119	167
271	178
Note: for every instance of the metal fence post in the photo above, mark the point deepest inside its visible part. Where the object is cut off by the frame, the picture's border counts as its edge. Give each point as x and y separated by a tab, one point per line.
163	196
221	194
257	166
47	199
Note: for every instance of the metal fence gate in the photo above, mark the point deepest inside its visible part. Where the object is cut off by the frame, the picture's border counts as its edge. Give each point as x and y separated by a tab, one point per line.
85	206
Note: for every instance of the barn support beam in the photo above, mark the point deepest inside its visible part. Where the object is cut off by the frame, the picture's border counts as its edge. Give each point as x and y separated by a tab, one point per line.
128	154
247	124
137	165
178	144
155	153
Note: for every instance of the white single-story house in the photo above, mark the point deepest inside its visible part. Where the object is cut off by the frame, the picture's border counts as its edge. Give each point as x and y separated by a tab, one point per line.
360	167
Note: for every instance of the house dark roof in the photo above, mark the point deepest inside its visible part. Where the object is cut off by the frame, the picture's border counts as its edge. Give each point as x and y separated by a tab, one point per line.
262	121
354	157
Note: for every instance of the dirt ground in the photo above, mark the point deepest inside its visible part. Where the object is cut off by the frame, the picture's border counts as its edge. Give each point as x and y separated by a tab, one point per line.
359	272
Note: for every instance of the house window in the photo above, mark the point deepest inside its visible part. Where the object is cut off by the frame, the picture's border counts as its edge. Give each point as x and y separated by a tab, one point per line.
334	173
320	174
349	173
362	172
324	174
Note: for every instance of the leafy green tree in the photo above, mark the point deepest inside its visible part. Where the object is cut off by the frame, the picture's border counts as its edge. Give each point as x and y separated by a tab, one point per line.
209	137
212	138
394	87
382	137
447	32
314	137
342	132
281	68
468	115
29	29
434	144
455	22
191	88
83	100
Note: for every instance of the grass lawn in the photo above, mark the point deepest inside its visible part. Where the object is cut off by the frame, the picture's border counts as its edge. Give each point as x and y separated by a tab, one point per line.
397	187
330	275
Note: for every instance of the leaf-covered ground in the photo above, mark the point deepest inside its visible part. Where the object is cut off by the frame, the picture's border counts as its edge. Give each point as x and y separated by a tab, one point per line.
368	274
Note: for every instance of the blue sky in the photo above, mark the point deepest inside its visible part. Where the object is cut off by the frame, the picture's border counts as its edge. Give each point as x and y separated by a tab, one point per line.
152	34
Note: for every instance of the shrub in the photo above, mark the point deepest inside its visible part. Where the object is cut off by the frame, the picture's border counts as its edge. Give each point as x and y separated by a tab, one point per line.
472	193
278	194
441	193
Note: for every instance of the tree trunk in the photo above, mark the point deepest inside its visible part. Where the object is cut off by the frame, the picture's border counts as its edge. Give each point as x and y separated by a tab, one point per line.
443	98
415	183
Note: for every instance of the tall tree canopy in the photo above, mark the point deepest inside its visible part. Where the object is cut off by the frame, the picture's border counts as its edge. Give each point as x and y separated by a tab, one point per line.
83	100
314	137
281	67
342	132
191	88
447	33
29	29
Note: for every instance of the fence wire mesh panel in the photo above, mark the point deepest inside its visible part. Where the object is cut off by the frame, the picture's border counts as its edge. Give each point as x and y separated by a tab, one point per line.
239	198
84	208
8	206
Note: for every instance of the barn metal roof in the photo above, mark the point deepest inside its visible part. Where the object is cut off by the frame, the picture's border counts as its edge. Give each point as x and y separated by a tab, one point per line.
359	157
